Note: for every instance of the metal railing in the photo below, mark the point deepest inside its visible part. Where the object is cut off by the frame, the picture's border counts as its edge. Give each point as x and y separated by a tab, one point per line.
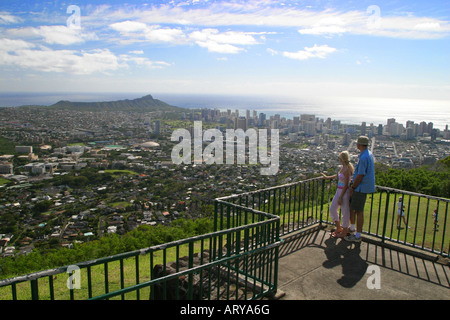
298	204
307	202
411	219
239	260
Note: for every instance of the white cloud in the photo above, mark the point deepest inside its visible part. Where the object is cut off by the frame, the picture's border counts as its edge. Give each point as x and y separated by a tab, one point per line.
308	53
170	35
272	52
209	38
63	35
57	34
218	48
66	61
6	18
270	14
11	45
230	37
134	31
319	30
328	25
25	55
145	62
222	42
428	26
128	26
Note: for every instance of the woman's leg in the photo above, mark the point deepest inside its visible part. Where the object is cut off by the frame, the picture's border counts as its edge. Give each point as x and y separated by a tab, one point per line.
345	209
334	210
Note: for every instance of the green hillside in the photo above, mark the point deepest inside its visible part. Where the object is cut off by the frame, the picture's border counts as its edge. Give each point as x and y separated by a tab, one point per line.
145	104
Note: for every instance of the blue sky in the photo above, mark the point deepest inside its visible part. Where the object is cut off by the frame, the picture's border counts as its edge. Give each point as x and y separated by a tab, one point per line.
379	49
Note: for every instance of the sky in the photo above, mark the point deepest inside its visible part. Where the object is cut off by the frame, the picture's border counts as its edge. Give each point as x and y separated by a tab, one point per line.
304	49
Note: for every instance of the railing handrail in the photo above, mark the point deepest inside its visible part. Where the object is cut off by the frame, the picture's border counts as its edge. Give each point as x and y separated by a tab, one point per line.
144	251
183	272
426	196
321	178
270	188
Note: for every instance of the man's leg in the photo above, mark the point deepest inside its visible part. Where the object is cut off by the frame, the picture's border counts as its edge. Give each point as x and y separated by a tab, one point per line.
359	222
357	215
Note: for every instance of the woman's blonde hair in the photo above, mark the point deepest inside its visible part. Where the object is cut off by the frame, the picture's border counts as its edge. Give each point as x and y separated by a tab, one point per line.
344	156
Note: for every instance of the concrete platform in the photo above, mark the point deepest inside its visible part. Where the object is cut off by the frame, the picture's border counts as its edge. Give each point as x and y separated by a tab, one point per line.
315	266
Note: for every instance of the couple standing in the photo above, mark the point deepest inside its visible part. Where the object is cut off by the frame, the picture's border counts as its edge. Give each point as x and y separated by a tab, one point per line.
353	186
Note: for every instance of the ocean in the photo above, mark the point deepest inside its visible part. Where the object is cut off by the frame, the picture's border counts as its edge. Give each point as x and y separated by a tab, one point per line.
347	110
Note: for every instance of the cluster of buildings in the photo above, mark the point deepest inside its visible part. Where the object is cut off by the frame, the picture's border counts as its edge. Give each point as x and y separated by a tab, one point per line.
310	125
149	188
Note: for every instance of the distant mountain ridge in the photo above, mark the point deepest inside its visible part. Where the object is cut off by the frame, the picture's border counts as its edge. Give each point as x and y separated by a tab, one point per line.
144	104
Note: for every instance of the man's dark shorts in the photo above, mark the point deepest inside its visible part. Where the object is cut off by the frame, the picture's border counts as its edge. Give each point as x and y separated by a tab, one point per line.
358	201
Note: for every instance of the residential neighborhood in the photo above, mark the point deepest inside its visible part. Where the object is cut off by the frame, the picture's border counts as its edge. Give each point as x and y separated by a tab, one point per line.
74	176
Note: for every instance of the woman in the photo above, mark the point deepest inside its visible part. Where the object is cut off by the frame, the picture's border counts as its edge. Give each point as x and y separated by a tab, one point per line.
342	197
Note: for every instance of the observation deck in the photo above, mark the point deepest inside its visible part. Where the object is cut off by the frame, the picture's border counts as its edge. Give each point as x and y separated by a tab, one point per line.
272	243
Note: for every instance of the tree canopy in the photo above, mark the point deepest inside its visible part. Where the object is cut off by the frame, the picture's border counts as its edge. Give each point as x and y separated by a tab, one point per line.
431	180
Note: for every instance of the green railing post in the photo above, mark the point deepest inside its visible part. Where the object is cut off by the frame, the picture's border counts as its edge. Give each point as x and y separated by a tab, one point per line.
386	212
321	202
34	289
191	265
215	215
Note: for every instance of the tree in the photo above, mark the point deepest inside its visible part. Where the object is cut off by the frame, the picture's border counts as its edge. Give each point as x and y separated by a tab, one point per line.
42	206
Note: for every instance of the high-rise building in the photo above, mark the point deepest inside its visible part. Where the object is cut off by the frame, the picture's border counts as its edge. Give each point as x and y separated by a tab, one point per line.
422	128
157	127
242	123
262	119
409	133
389	123
310	128
363	128
307	117
346	140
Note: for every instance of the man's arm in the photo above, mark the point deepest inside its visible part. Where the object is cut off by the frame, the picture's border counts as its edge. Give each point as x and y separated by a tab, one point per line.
357	181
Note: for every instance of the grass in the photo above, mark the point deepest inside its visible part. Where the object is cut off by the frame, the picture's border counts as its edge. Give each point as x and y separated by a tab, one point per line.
6	146
81	144
3	181
382	221
418	211
121	204
117	173
61	292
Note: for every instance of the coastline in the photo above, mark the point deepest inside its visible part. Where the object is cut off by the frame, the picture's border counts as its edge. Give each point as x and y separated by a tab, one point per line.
350	111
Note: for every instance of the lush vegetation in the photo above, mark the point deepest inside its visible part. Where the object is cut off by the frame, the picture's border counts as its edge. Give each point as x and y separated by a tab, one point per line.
431	180
110	244
6	146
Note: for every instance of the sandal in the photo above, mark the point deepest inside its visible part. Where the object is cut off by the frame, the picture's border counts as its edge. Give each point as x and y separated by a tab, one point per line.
339	235
336	234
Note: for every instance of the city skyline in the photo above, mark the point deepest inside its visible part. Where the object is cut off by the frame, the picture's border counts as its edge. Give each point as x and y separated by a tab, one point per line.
380	55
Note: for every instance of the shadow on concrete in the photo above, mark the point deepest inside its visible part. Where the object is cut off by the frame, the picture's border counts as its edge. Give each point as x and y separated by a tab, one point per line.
312	263
348	256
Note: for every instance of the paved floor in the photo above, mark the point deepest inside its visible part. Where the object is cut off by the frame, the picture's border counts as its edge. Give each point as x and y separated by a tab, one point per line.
315	266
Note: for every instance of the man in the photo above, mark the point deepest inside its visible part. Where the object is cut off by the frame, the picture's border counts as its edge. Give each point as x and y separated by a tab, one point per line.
363	184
